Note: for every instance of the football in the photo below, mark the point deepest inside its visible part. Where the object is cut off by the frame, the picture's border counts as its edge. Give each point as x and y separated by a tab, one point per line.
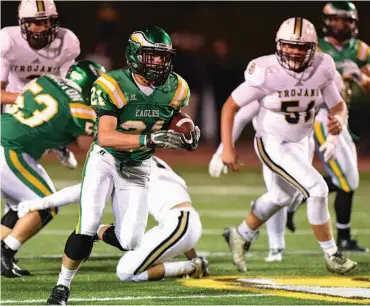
182	123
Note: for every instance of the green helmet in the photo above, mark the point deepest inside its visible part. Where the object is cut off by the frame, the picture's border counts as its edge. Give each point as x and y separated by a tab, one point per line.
348	13
145	47
84	73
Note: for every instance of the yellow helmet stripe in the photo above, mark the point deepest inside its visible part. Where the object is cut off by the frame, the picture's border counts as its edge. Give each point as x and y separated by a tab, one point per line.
40	6
298	26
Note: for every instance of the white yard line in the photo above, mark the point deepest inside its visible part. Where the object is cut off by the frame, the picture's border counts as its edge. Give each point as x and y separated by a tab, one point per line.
135	298
211	232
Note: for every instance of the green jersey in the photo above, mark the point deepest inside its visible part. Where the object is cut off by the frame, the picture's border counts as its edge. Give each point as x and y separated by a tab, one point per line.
50	113
356	51
137	113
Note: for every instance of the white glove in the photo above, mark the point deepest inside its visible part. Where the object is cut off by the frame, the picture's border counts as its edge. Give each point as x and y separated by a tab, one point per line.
350	70
216	166
30	205
328	147
66	158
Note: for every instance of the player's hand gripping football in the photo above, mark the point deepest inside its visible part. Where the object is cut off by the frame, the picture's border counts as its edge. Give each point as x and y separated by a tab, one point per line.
192	143
231	160
216	166
66	157
167	139
328	147
335	124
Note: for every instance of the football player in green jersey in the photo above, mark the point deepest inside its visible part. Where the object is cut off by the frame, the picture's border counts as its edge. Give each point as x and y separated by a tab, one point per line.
134	107
51	112
352	59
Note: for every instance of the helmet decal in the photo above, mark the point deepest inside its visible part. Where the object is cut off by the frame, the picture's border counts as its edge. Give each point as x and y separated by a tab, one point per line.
298	27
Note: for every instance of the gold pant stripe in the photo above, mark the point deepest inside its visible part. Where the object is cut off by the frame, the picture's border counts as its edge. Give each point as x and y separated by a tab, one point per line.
333	164
172	239
277	169
27	175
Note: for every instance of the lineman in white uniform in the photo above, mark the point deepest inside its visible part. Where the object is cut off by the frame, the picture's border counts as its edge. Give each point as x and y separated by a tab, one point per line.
287	85
178	231
36	47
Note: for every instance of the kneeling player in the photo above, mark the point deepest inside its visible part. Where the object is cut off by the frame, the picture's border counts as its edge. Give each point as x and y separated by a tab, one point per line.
179	229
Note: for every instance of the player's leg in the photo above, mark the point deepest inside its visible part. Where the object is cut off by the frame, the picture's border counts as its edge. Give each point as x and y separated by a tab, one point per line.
22	178
275	227
130	204
60	198
343	179
97	182
179	231
289	161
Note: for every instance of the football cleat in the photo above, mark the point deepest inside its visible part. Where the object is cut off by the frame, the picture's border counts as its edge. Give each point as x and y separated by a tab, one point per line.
275	255
336	263
238	247
59	296
200	265
7	262
351	245
20	271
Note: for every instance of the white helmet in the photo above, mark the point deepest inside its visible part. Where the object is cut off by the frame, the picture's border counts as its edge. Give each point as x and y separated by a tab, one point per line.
300	34
38	11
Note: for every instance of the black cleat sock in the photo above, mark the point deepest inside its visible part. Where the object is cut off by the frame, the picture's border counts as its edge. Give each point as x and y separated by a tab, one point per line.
330	184
110	237
343	209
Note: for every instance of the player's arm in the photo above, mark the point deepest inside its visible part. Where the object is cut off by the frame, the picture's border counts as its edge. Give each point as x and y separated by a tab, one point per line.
240	97
365	84
337	108
6	47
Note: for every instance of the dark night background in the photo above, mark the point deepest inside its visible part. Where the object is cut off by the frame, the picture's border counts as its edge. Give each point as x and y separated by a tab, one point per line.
215	40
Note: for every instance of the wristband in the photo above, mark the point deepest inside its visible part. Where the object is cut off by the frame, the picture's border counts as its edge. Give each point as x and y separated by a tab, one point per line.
143	140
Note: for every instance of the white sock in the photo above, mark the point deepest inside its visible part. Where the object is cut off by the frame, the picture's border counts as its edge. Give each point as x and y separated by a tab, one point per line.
246	232
12	243
329	247
65	196
177	268
65	277
276	229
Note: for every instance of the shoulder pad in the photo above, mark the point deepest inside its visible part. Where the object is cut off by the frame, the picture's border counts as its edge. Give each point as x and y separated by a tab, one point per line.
71	44
6	42
111	87
328	66
181	92
363	51
255	74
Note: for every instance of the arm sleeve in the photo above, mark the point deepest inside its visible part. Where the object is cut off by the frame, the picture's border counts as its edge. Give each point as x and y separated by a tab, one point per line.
5	48
245	94
331	94
84	119
181	95
72	51
242	118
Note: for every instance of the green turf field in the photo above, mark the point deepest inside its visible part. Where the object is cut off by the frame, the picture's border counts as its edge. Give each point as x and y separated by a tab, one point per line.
220	203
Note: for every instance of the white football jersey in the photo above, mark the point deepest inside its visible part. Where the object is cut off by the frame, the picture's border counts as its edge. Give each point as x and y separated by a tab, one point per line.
288	100
160	194
20	63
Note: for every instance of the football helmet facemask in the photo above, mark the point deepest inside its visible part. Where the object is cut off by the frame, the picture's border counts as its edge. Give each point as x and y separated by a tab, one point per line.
149	53
39	22
296	42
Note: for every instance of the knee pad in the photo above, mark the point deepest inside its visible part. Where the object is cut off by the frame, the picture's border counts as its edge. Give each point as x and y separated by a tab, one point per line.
79	247
10	219
47	215
317	210
319	189
264	208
